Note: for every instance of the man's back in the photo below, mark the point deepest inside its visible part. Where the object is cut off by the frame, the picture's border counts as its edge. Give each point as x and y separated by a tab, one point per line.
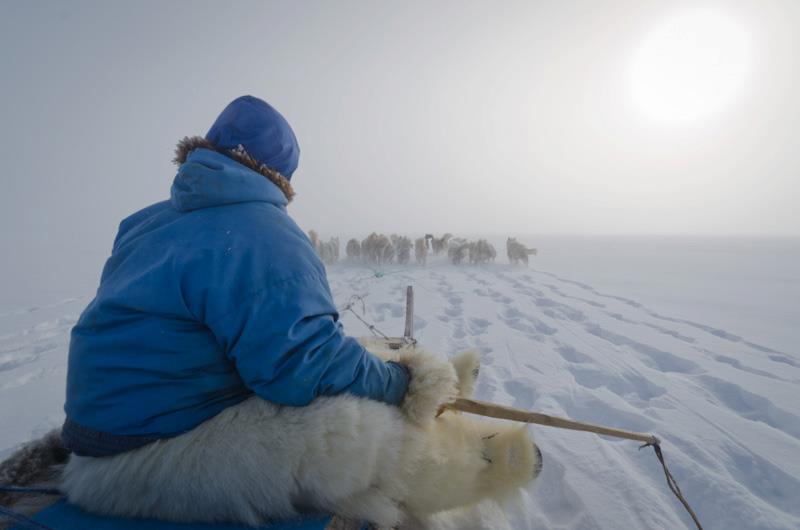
207	298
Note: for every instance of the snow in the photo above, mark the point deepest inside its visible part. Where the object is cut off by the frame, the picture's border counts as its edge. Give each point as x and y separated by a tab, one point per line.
571	338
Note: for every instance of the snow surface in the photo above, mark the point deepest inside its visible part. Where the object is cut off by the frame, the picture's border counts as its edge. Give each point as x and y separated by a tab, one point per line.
725	406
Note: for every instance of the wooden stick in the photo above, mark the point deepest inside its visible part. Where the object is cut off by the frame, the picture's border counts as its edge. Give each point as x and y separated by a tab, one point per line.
508	413
409	332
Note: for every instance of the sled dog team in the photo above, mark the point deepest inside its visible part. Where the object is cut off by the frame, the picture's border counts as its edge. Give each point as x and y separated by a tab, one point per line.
379	249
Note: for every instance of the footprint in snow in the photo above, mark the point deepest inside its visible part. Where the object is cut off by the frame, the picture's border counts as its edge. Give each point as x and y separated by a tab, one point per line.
671	332
653	357
458	332
553	489
531	326
559	311
746	465
501	298
785	360
478	326
751	406
584	406
453	311
739	366
522	391
622	384
572	355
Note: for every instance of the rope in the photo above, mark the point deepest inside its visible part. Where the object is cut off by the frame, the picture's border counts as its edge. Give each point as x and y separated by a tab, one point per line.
377	273
673	484
354	299
349	307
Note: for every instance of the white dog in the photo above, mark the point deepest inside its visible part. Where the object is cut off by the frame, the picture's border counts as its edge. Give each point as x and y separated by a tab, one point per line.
355	457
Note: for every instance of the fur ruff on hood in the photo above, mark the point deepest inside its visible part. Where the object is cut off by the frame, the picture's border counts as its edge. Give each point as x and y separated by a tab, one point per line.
190	143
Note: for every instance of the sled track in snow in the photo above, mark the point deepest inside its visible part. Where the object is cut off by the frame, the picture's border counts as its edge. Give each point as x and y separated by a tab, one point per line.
725	406
708	329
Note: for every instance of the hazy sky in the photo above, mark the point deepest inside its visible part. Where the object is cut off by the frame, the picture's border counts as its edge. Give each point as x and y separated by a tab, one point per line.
499	117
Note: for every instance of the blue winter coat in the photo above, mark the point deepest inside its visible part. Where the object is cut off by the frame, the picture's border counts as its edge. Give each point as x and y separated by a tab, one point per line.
206	299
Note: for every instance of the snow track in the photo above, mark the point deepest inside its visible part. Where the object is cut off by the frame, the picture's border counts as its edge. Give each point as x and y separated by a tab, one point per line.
725	407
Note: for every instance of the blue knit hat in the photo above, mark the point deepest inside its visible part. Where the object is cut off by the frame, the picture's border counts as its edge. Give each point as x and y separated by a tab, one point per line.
264	134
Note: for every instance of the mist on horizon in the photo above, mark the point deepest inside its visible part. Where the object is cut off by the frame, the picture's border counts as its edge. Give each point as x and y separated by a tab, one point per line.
467	117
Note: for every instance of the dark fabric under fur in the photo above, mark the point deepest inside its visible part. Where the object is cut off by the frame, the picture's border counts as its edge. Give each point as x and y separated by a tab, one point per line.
189	144
37	464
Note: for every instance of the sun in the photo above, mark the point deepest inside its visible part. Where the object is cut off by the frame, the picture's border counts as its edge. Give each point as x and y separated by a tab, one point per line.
690	66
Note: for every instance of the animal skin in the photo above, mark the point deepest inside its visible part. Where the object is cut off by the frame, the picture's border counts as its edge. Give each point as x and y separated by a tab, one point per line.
361	459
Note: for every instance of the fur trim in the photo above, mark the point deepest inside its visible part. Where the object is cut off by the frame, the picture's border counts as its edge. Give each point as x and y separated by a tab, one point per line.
433	383
37	463
190	143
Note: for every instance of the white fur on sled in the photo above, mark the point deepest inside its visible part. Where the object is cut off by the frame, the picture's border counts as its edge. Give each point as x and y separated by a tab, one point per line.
433	382
355	457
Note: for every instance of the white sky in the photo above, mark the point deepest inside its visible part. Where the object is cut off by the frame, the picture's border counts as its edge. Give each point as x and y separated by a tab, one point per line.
411	116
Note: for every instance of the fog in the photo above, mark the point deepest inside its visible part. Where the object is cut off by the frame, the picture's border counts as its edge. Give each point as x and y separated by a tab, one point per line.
475	117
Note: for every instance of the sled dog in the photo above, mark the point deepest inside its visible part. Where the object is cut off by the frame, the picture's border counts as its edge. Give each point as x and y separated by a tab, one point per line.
517	252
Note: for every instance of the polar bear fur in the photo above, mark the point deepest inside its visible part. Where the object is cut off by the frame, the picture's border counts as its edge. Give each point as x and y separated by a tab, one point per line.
358	458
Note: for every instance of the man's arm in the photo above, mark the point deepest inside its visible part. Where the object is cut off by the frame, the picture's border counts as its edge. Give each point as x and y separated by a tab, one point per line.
289	348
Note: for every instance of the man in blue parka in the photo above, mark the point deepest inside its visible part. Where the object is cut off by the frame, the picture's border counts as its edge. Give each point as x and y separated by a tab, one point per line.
210	297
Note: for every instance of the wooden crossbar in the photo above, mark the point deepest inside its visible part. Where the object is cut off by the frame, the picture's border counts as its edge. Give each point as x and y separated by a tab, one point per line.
509	413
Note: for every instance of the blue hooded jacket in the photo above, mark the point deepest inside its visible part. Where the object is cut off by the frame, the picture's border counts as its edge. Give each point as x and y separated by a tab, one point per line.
207	299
